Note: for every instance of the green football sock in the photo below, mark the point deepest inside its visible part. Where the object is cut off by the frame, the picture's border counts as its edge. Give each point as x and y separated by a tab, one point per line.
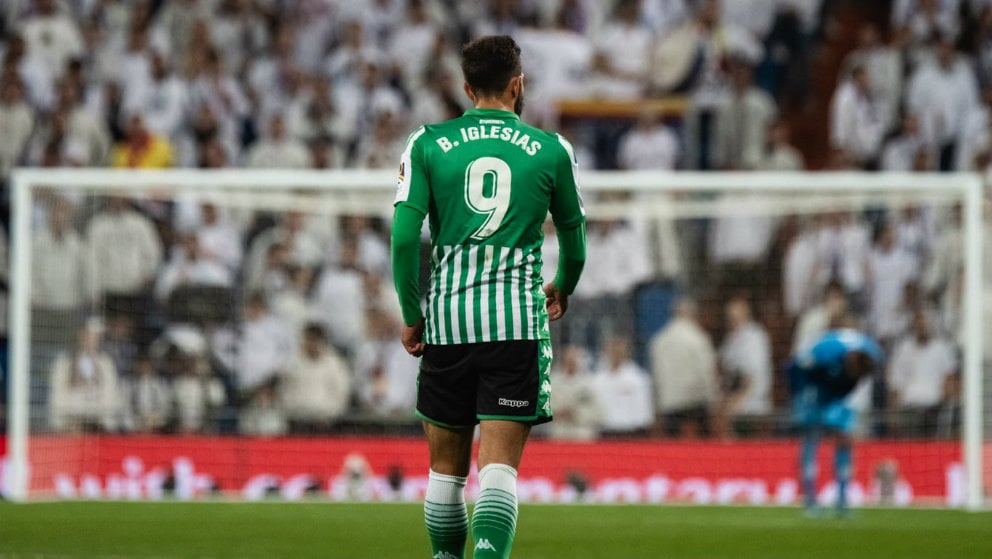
444	512
494	520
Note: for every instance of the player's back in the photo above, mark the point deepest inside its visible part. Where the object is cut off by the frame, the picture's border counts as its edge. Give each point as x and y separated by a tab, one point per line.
492	180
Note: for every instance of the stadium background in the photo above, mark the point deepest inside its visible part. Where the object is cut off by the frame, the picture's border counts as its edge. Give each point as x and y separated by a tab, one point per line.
650	85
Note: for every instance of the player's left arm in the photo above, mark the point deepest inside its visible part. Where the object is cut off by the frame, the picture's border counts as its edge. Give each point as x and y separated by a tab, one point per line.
410	208
569	217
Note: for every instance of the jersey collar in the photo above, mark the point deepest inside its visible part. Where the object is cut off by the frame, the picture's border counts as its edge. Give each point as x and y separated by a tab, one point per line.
492	113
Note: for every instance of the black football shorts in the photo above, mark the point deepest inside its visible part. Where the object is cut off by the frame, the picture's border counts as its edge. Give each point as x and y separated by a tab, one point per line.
461	384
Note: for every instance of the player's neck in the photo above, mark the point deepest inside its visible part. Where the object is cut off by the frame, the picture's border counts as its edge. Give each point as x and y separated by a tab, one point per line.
497	104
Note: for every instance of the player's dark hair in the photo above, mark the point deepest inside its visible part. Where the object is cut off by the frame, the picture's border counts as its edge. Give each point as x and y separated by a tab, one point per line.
490	62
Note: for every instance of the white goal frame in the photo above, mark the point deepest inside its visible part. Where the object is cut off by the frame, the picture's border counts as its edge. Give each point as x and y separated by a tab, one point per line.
968	187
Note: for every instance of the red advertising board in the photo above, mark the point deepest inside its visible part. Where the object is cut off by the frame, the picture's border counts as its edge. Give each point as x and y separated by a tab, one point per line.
395	468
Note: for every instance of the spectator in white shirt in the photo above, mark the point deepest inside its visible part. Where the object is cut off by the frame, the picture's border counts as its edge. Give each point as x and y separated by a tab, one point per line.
184	358
883	62
35	77
58	262
779	153
821	318
16	123
625	392
383	370
650	145
891	269
83	391
277	149
683	362
927	19
902	152
746	365
578	410
858	119
148	400
125	249
620	62
315	390
922	378
189	267
258	350
263	416
53	36
161	99
340	301
742	122
943	93
222	94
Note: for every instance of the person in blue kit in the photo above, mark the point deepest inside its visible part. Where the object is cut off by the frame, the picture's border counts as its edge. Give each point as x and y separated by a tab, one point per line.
820	380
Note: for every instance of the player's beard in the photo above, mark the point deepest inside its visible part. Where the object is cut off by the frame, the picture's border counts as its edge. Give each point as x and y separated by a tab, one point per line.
518	105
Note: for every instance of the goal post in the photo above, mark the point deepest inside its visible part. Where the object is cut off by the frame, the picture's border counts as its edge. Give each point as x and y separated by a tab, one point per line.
692	195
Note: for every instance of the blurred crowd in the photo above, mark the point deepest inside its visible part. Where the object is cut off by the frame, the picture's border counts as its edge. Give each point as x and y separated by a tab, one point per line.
219	319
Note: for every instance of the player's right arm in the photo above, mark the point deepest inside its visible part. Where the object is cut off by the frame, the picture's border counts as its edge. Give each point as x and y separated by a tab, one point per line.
569	217
410	208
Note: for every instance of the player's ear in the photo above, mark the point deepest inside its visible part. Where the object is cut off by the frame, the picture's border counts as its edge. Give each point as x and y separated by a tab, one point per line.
470	93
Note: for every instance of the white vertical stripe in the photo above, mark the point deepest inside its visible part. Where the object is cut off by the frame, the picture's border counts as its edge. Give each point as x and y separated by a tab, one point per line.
518	255
487	278
470	291
441	296
525	273
501	294
456	294
430	334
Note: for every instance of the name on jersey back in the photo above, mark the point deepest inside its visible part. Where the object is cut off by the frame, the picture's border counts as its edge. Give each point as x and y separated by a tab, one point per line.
492	132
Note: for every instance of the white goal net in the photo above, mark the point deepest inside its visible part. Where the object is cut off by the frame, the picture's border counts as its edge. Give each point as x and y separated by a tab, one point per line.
187	333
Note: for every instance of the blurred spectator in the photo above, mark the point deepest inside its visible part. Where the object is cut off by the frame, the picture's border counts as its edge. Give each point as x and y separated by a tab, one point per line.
16	123
817	320
277	149
779	153
650	145
943	92
621	248
315	390
125	250
119	342
217	237
32	71
891	269
802	273
903	150
141	149
624	391
79	135
221	94
345	63
384	370
161	99
859	119
339	300
884	63
976	134
148	401
262	415
578	411
922	379
943	276
746	367
621	50
258	349
295	234
83	392
927	19
378	150
58	262
185	362
411	43
742	122
683	362
52	35
189	266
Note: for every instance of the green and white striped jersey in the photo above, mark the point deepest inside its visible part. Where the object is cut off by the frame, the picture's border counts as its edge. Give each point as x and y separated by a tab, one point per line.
487	181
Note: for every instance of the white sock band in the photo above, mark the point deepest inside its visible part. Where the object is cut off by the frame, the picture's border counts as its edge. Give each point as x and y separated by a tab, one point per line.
444	489
498	476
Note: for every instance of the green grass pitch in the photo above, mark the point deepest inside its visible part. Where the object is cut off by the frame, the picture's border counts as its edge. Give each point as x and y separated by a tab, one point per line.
114	530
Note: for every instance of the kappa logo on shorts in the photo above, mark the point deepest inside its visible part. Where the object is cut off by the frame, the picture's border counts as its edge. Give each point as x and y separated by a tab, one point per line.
514	403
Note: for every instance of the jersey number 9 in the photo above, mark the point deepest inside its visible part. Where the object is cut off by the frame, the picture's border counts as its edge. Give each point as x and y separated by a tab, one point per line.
487	192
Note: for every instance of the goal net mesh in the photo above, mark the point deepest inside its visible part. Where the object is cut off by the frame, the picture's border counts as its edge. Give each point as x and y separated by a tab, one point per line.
224	339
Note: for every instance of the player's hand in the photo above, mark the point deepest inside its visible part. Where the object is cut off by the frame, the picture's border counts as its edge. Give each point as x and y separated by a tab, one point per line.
557	302
413	338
